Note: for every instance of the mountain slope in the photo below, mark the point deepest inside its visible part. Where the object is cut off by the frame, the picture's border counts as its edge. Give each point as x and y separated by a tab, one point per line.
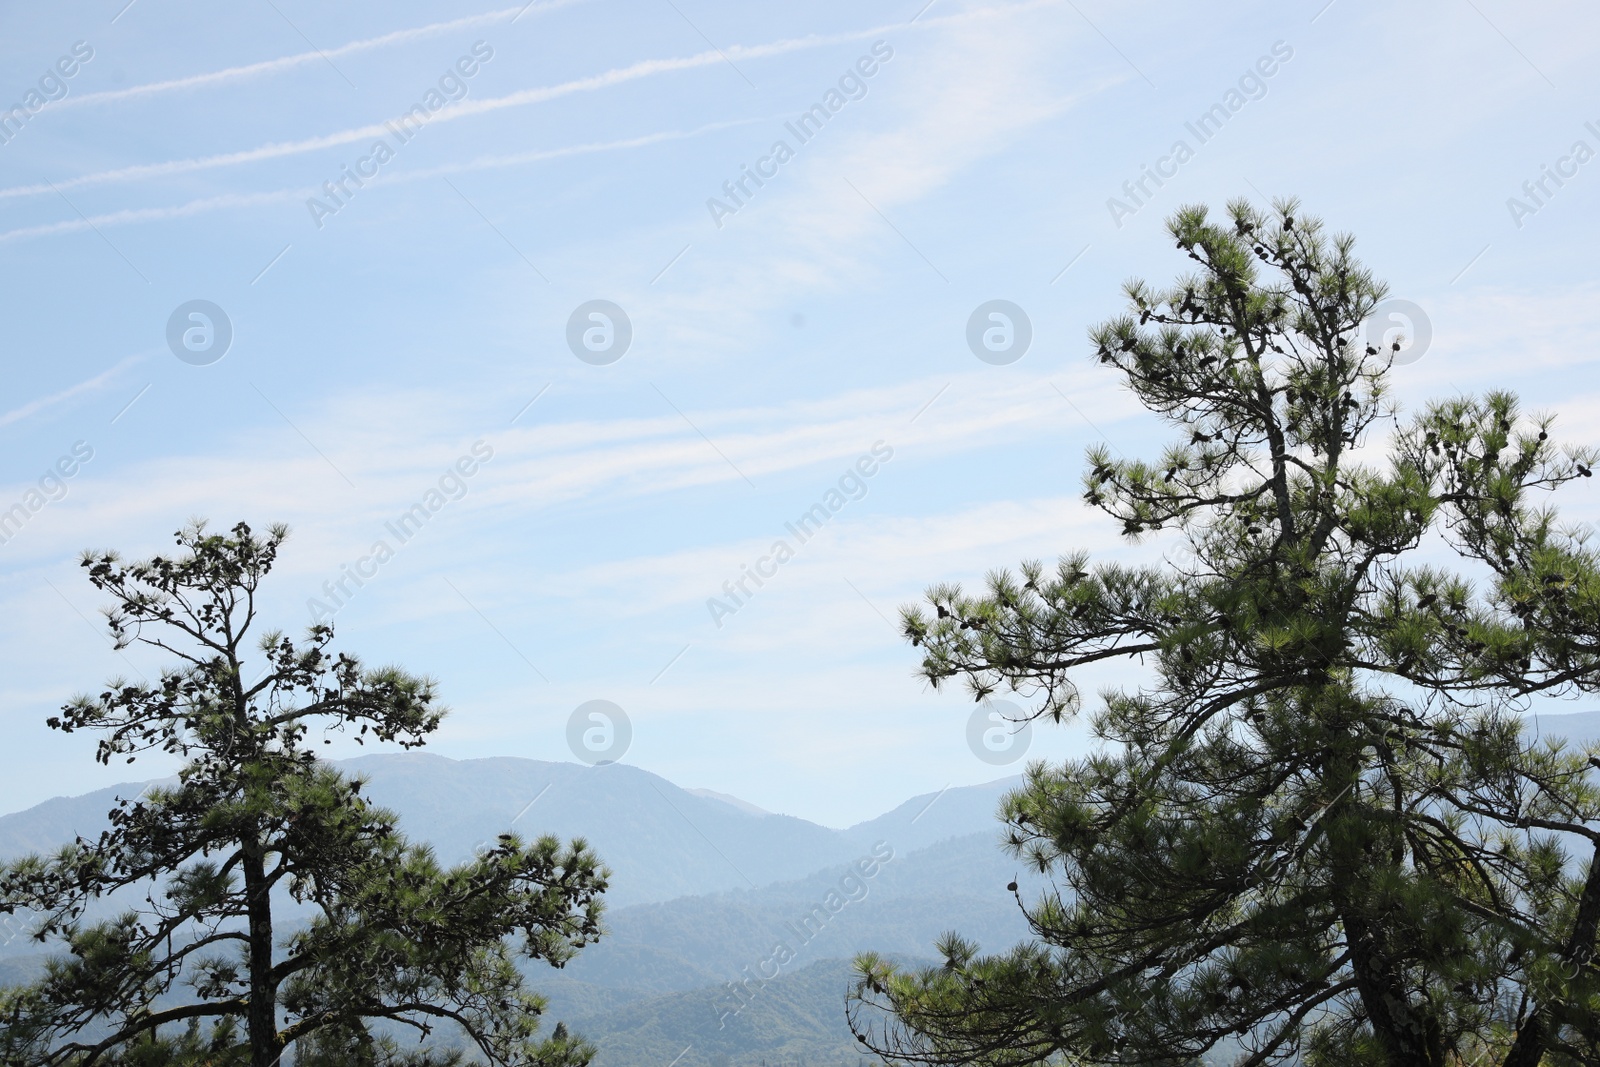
922	820
797	1018
660	841
902	906
1581	728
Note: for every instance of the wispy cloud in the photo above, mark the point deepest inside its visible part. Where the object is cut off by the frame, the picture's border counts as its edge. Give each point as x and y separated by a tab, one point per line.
540	155
275	196
275	66
569	463
155	214
617	76
99	381
928	123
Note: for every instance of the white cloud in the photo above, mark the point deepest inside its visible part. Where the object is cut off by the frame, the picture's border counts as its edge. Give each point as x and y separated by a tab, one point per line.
303	59
376	441
89	385
463	109
231	201
981	86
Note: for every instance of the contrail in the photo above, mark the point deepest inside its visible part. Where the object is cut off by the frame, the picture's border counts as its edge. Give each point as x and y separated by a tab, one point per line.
152	214
539	155
17	414
633	72
273	66
235	200
617	76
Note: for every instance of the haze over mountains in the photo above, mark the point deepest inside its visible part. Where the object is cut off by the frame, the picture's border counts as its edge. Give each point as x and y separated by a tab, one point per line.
705	888
660	841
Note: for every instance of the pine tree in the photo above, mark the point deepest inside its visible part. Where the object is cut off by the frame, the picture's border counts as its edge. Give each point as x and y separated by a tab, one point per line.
1317	825
386	942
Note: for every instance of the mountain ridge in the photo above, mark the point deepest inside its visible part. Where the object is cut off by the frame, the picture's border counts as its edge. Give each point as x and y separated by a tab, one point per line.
660	841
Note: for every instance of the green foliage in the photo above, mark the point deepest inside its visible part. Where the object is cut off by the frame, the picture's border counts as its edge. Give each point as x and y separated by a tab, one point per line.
396	943
1317	826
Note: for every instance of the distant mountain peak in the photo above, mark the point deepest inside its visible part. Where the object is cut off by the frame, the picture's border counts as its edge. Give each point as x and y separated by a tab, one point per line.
743	805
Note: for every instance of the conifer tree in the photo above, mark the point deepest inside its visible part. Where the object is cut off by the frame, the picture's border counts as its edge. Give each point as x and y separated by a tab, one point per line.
1318	825
278	911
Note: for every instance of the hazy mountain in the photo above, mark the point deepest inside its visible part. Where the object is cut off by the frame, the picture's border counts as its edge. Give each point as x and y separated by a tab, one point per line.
714	903
46	827
1581	727
797	1018
742	805
664	967
660	841
922	820
902	907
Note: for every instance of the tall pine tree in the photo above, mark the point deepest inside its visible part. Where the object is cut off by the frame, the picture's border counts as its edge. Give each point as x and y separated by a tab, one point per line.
388	943
1318	825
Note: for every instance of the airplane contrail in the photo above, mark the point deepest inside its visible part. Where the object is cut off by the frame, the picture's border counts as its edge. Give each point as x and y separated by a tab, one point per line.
239	200
277	150
98	381
153	214
616	76
272	66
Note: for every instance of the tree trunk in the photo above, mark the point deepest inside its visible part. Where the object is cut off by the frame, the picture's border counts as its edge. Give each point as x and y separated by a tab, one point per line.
1406	1039
1402	1035
262	1019
1529	1047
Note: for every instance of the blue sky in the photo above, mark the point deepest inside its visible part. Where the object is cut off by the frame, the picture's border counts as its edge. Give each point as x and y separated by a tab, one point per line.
772	345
